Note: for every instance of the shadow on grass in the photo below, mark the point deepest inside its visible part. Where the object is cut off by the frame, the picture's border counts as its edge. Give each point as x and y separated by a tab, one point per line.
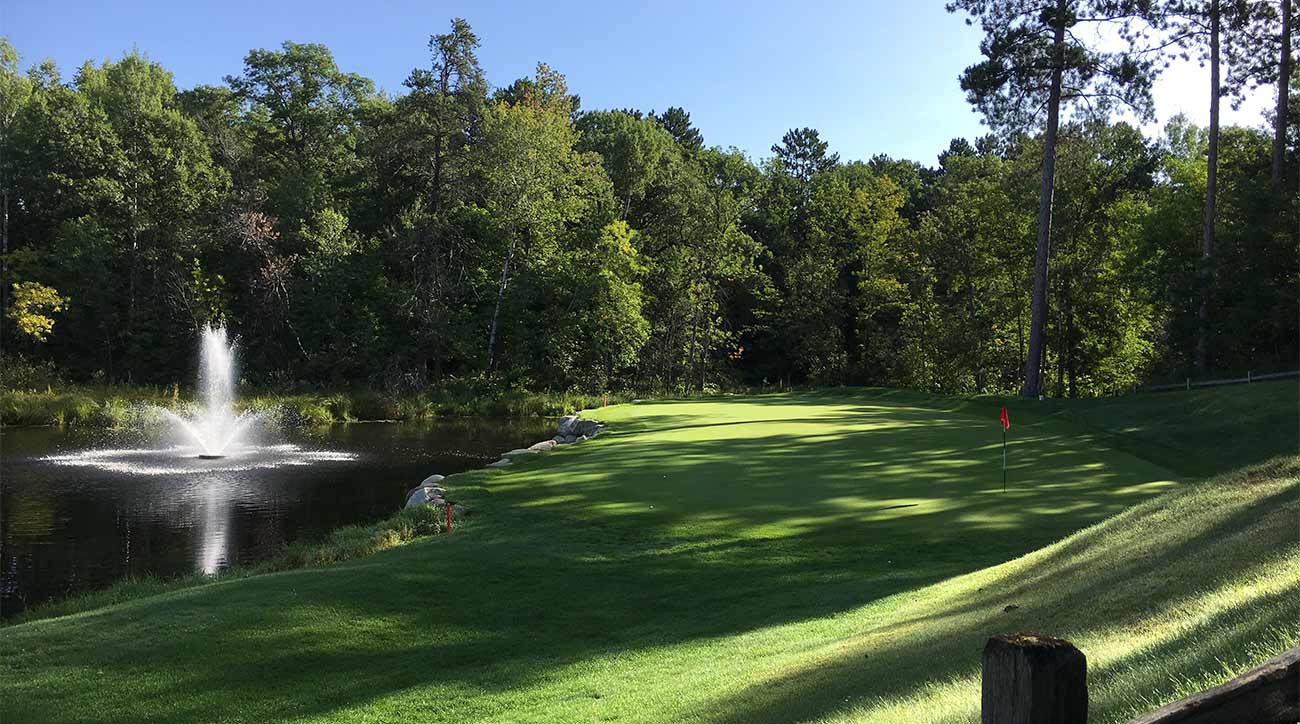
671	530
1194	564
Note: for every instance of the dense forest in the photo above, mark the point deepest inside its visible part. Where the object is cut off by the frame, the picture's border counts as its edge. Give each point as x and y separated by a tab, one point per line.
503	235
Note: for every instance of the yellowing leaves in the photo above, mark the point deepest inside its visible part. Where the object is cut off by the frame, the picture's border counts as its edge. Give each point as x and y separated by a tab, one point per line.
31	305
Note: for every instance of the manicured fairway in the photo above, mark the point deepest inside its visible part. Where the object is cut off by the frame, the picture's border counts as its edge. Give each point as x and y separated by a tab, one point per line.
828	555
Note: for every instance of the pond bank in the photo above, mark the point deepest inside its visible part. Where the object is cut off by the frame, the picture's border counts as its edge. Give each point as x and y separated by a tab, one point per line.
423	516
431	493
84	508
353	541
118	405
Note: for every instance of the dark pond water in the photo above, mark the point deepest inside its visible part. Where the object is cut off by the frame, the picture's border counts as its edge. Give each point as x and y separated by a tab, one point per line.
80	509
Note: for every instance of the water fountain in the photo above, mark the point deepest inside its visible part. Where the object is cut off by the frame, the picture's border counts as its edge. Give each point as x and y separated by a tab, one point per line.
215	429
210	439
203	487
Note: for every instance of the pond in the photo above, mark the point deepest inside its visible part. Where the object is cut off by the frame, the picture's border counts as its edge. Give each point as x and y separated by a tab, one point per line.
80	509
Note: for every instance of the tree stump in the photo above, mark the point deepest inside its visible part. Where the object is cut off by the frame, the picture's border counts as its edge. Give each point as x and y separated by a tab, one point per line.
1032	679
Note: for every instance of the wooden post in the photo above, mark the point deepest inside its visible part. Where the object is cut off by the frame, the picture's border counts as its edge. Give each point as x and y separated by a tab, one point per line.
1032	679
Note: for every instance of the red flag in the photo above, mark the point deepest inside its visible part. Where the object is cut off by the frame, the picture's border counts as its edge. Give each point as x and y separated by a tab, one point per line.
1006	421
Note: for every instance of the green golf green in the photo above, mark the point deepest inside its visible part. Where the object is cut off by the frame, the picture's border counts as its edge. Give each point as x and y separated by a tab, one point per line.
839	555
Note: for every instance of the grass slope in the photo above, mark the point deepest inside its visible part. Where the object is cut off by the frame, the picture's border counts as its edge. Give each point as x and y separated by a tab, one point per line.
837	556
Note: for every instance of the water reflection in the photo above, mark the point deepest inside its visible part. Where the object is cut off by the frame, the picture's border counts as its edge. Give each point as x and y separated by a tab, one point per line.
211	552
184	460
81	509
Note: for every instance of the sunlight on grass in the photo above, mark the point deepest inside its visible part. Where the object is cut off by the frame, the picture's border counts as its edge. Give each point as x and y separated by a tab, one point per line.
702	563
1254	602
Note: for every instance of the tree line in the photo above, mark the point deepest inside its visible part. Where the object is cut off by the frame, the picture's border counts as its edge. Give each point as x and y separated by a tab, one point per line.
504	235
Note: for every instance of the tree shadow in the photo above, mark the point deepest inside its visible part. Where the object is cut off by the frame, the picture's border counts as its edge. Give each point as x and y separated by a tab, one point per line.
670	531
1103	585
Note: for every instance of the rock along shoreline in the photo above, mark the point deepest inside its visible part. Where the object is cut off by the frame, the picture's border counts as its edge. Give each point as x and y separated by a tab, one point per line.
572	429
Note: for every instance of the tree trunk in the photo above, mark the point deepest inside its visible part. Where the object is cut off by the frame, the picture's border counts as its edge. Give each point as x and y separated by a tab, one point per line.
1060	349
496	312
4	250
703	370
1071	363
1038	315
436	192
444	93
1020	338
1283	90
1204	354
972	319
695	347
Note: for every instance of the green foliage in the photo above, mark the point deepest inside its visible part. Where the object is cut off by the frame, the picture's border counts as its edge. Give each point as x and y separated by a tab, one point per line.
303	115
450	239
22	373
677	122
37	396
116	185
973	243
600	324
1011	85
81	406
359	541
1255	265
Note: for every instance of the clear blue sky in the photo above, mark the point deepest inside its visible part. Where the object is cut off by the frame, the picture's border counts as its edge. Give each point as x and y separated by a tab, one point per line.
873	76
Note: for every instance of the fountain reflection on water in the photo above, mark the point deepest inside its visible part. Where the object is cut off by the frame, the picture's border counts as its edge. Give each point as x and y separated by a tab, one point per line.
213	552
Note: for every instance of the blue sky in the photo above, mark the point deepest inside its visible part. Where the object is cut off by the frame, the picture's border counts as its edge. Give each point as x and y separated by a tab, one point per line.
871	76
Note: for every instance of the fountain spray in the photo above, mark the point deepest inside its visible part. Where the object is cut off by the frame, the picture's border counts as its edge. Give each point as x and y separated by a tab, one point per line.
216	427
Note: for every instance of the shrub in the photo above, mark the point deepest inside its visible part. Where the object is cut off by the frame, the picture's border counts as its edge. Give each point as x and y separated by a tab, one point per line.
371	406
112	412
19	373
339	407
415	408
310	412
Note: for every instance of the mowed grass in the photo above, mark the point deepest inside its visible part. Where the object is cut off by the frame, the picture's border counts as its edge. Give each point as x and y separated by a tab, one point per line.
836	556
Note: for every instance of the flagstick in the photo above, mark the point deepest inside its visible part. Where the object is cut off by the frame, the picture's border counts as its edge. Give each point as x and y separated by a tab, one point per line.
1004	460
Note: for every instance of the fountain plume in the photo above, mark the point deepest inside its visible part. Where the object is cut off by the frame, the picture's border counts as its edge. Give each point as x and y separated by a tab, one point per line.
215	429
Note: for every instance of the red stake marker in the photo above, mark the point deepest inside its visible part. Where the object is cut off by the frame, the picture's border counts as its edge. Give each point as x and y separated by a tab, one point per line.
448	507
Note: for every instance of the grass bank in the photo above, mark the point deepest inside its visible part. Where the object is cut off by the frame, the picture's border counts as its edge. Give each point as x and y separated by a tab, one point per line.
346	543
122	405
836	556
